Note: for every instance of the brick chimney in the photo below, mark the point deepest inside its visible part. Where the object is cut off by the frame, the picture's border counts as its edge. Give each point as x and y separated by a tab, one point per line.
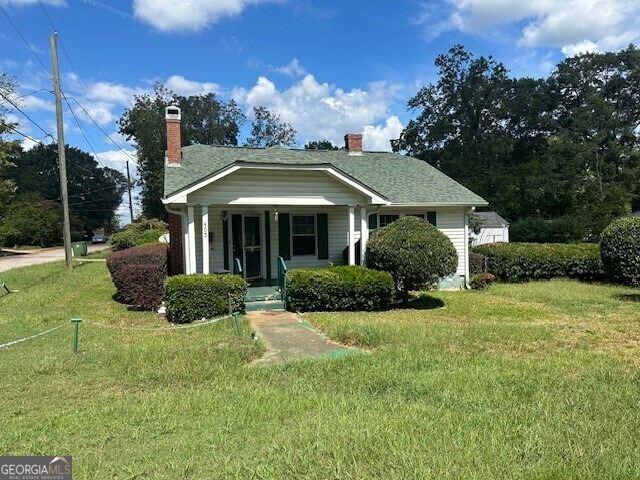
173	116
353	143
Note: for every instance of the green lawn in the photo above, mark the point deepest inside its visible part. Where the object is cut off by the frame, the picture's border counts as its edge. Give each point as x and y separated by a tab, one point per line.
539	380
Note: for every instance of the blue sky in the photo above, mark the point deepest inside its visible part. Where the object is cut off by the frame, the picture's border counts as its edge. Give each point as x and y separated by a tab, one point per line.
327	67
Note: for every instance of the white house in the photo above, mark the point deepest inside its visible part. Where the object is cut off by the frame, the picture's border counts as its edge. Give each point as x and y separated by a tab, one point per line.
306	206
494	229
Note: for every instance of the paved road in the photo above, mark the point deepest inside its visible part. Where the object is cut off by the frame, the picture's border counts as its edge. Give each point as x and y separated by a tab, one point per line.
40	256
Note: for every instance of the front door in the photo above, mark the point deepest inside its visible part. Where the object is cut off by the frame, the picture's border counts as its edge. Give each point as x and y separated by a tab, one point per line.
252	248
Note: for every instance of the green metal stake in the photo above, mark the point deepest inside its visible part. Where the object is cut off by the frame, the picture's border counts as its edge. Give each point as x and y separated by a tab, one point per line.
75	322
236	319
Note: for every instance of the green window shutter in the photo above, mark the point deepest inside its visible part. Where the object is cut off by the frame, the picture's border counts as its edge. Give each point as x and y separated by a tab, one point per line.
267	242
225	243
431	218
373	221
323	236
284	236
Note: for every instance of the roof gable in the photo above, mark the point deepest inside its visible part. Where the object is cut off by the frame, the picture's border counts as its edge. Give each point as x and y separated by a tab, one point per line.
399	179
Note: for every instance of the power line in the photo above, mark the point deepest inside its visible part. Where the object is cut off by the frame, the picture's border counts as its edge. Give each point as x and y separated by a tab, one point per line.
86	95
102	130
25	136
82	130
27	116
24	39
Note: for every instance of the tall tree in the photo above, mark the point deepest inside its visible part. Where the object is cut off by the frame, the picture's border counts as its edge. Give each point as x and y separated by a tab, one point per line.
599	113
205	120
95	192
8	148
320	145
267	130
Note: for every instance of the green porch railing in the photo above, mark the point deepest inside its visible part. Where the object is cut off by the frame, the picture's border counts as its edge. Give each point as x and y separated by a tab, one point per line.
282	280
237	267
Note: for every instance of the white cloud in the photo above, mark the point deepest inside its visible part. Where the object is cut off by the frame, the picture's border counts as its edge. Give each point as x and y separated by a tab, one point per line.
184	15
320	110
609	24
292	69
28	144
182	86
117	159
577	48
377	138
32	103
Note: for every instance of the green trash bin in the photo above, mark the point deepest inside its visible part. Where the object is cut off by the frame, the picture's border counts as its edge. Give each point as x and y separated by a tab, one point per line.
79	249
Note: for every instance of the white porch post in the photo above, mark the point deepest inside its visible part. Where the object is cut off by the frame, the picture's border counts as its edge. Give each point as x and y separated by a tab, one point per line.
352	236
191	261
205	239
364	233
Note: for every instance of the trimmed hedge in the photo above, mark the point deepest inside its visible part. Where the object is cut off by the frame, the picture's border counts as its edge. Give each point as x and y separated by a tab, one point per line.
413	251
130	238
520	262
620	250
192	297
476	263
138	274
343	288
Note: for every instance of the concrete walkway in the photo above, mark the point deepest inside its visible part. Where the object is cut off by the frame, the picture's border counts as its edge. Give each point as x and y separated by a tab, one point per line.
289	337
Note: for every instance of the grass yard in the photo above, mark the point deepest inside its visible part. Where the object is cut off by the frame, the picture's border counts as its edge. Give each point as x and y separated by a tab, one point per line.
539	380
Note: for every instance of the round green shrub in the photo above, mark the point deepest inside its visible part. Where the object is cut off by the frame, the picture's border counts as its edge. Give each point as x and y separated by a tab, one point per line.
620	250
413	251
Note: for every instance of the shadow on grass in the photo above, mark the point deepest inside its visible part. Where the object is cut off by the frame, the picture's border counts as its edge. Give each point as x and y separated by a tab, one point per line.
424	302
628	297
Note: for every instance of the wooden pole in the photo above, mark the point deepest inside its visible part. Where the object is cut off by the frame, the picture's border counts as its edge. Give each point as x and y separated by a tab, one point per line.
62	163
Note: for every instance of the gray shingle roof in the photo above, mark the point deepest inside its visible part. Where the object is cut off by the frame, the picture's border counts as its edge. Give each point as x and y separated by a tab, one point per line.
491	219
400	179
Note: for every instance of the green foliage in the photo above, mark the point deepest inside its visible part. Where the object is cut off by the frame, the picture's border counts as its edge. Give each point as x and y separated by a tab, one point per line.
520	262
564	229
95	192
268	130
342	288
192	297
141	232
413	251
8	149
477	263
620	250
138	274
563	147
481	281
205	120
320	145
31	220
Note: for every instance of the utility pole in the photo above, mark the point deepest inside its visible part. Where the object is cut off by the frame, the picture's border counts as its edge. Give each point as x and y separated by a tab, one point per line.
62	162
129	187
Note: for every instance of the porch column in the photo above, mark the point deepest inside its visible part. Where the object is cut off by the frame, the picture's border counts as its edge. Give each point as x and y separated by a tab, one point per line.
364	233
191	260
352	236
205	239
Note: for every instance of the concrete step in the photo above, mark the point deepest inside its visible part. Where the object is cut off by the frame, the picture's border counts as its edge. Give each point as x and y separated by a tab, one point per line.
264	305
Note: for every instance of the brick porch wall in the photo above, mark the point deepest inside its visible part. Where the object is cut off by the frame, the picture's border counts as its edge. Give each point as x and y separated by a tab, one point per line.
175	246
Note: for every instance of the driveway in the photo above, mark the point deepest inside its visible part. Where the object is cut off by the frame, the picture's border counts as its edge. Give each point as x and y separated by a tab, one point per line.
35	257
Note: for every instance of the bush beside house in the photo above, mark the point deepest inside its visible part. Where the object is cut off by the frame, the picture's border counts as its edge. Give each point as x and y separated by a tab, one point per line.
620	250
138	274
413	251
520	262
343	288
192	297
142	232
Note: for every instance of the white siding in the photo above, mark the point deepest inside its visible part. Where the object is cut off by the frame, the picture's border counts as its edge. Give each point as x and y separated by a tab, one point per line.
491	235
451	221
267	187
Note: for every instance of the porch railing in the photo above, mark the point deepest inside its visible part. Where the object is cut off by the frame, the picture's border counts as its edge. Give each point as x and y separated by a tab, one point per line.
237	267
282	280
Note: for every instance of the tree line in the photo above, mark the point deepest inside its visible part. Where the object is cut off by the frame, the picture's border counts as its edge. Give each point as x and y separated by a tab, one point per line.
556	156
